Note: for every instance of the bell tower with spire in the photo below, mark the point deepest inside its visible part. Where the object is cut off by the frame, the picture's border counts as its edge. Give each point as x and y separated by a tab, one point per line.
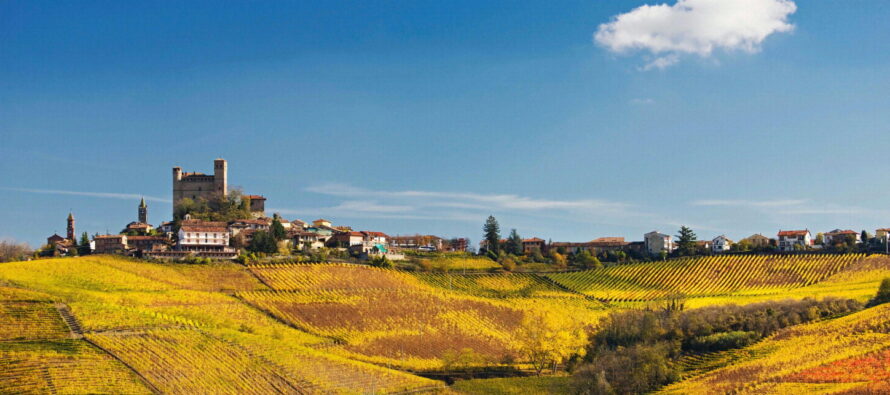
71	227
143	212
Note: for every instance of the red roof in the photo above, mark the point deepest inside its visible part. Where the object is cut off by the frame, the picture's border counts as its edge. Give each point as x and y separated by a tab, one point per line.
533	240
374	234
256	197
843	232
793	233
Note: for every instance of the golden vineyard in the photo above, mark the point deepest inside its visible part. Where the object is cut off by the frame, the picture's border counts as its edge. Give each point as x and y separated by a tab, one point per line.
102	324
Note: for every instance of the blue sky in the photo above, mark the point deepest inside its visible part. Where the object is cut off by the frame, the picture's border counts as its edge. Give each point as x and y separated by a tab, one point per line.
425	116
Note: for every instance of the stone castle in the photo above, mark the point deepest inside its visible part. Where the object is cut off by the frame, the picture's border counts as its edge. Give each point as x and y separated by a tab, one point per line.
200	185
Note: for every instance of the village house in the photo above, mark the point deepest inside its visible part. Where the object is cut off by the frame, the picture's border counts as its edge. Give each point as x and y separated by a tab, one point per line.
758	241
882	234
606	244
703	245
459	244
839	236
239	225
345	239
322	223
417	242
302	239
657	243
788	239
721	244
529	246
110	244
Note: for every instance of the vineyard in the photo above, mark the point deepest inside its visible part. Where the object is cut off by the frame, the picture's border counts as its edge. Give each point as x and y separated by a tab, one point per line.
290	277
707	276
326	328
498	285
176	325
841	354
410	328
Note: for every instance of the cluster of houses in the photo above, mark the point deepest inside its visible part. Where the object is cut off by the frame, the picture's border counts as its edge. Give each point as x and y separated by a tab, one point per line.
655	243
225	240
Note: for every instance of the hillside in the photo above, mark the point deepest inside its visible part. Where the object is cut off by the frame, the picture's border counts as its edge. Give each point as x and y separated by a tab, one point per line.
844	355
110	324
201	338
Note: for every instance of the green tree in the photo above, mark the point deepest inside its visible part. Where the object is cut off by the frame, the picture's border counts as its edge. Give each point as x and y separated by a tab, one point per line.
277	230
381	261
263	242
492	235
686	242
514	243
586	260
84	247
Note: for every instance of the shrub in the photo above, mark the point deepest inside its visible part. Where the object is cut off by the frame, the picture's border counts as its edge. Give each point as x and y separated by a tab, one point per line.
723	341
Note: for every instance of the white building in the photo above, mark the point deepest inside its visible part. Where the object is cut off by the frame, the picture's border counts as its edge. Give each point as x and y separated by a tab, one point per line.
197	235
721	244
789	238
658	242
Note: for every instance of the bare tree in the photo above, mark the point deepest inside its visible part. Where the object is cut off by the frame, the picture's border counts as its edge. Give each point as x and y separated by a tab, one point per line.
13	251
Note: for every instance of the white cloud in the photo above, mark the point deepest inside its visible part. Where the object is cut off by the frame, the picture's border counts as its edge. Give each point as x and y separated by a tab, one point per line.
106	195
696	27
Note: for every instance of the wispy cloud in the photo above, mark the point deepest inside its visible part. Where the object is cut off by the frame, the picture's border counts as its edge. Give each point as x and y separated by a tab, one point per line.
793	207
104	195
463	206
696	27
642	101
751	203
471	200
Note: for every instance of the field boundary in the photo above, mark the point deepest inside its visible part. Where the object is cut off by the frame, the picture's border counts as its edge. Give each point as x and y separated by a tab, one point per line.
154	389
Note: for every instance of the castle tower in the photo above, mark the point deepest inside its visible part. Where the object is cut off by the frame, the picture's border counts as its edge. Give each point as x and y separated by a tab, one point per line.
177	177
143	212
71	227
195	186
220	173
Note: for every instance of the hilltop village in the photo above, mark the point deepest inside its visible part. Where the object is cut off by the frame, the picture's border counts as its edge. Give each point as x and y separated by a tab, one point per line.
212	221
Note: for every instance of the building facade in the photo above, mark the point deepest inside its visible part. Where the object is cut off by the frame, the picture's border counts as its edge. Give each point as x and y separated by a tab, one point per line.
721	244
197	235
788	239
657	242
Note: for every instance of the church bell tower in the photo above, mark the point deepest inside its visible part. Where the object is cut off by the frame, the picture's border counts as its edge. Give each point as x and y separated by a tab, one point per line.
71	227
143	212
